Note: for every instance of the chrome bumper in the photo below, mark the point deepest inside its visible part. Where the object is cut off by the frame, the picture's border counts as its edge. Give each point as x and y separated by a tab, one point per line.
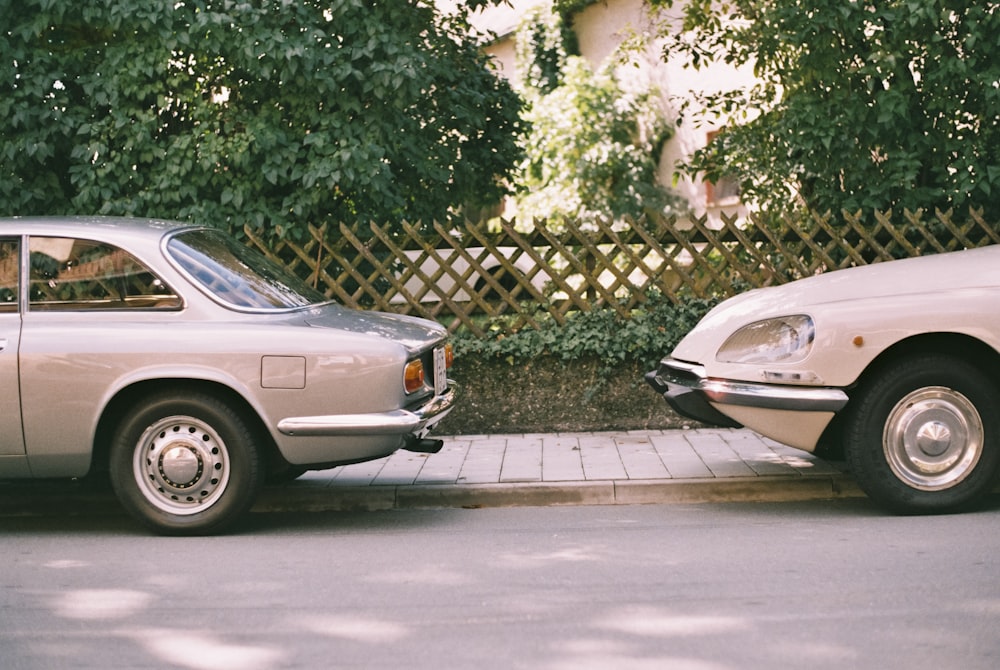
692	394
415	422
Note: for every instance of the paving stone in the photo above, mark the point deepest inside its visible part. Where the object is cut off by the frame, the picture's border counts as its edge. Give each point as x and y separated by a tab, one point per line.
640	457
679	456
522	461
561	459
600	458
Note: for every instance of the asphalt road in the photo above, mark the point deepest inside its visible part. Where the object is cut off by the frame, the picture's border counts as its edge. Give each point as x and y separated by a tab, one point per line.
829	584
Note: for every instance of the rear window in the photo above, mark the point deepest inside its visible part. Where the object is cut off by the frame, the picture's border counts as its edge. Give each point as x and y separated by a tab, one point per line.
237	275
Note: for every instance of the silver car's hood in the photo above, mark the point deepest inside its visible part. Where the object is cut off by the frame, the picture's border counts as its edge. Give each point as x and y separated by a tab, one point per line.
414	333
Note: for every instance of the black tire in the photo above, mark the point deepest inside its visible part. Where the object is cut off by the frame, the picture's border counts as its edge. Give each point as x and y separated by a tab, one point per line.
185	465
922	434
284	474
506	280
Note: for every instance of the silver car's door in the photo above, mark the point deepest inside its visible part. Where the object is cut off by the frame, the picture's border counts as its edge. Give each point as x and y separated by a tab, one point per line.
11	436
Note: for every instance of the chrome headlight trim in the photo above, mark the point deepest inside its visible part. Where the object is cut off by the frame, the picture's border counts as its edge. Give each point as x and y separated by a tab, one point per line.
783	339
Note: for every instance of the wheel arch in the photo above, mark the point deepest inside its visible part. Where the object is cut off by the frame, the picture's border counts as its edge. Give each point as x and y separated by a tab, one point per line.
133	394
959	345
521	273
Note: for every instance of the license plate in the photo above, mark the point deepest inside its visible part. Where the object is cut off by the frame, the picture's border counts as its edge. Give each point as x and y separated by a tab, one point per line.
440	372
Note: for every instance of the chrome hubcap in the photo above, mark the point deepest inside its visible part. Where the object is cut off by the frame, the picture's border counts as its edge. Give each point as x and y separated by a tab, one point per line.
181	465
933	438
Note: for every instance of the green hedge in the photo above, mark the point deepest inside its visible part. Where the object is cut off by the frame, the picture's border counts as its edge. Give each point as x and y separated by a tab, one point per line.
603	335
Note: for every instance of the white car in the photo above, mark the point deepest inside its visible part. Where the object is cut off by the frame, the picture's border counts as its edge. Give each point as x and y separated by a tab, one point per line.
896	362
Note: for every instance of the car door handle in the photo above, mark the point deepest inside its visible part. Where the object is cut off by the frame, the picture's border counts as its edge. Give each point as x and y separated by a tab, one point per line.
3	343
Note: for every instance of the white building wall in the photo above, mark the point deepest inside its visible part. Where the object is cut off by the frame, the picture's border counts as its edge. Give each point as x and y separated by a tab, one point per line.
600	29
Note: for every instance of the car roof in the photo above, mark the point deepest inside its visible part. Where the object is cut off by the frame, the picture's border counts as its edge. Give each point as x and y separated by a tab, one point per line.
111	227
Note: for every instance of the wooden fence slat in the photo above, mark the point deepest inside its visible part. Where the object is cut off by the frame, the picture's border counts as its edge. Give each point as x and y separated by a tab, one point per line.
651	238
491	282
638	263
615	265
528	286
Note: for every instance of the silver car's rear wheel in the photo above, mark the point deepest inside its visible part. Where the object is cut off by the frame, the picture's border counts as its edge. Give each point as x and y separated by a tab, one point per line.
181	465
922	433
185	465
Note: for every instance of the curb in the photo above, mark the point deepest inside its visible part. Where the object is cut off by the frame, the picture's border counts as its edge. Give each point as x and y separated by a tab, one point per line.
540	494
77	499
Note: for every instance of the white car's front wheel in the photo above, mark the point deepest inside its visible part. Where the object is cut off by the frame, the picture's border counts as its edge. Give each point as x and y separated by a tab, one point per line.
185	465
922	434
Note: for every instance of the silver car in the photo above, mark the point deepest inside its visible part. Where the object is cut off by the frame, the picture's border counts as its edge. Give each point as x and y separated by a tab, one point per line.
896	363
192	369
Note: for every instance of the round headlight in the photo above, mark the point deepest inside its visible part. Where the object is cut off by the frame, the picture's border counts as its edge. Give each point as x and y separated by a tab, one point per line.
785	339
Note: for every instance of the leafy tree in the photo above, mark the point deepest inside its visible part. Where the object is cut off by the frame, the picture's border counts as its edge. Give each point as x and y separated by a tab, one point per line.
592	150
859	105
593	142
275	113
544	43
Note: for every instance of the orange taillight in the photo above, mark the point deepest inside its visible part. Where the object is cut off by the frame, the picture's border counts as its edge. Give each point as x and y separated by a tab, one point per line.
413	376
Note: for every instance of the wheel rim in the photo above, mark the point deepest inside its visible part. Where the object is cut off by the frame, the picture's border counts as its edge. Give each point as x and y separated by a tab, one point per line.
181	465
933	438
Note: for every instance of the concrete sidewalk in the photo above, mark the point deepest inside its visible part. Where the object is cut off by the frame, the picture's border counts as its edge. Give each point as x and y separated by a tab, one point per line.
635	467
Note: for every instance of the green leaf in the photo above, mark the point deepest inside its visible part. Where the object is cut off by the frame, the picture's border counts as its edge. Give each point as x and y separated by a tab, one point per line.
168	109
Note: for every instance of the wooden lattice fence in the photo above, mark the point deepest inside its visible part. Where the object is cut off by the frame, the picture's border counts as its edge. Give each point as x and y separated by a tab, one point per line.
458	275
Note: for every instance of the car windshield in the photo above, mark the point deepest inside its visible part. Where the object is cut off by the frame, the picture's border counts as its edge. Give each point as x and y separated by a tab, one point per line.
237	275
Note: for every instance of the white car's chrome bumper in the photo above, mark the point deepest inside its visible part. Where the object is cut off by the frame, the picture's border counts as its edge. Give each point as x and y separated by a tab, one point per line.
692	394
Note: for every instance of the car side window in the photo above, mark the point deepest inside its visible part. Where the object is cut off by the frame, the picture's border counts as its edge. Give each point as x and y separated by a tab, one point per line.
9	265
71	274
